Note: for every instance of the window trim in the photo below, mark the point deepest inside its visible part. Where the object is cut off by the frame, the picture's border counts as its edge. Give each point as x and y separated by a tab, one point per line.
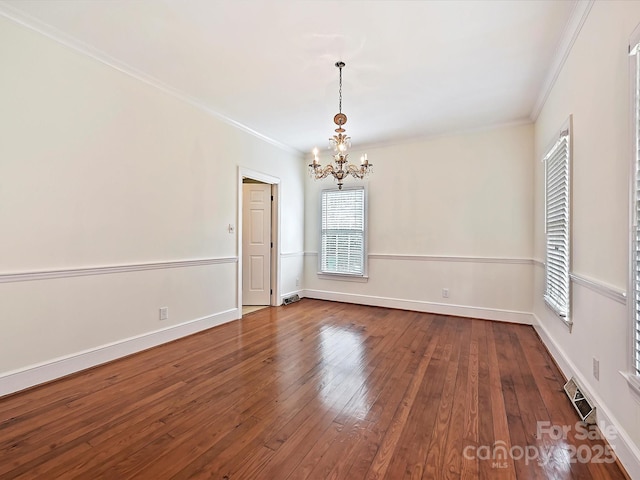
632	374
565	131
352	277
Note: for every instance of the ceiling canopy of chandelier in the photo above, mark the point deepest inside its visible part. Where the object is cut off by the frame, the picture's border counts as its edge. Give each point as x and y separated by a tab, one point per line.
339	143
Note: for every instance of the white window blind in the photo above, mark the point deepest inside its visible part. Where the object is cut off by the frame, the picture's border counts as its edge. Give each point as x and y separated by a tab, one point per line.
635	209
343	232
557	226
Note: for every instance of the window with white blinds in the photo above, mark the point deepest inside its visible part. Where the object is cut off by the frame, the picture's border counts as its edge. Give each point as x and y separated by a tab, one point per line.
343	232
557	178
635	211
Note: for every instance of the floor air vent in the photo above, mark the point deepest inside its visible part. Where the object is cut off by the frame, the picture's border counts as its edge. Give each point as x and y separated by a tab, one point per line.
291	299
582	404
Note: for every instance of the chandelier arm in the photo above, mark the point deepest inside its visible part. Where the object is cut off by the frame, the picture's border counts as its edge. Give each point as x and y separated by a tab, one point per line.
356	172
360	171
326	171
318	172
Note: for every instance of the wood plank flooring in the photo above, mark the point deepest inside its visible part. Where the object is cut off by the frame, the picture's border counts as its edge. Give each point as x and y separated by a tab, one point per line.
313	390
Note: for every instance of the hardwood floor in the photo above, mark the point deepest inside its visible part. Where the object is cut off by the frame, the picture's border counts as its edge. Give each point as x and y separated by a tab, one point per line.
311	390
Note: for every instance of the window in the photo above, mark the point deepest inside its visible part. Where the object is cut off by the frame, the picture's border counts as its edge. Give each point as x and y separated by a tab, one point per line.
635	211
557	181
343	232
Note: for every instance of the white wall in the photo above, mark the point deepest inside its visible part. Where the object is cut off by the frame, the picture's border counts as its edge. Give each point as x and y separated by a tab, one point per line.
460	208
593	86
100	169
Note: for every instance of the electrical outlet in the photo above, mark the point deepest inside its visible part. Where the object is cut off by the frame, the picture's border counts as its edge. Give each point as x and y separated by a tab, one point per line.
164	313
445	293
297	282
231	228
596	368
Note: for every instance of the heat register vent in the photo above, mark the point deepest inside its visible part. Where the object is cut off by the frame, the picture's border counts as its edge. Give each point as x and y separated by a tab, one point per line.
582	404
291	299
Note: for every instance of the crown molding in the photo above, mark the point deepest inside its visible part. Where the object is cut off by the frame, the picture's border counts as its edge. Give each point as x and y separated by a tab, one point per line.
69	41
436	136
571	31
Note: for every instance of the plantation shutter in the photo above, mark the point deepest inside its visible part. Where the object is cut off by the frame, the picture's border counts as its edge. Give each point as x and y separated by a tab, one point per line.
557	226
636	214
342	242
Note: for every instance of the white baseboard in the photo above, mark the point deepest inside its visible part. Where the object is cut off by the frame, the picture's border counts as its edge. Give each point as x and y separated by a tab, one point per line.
14	381
512	316
289	294
625	449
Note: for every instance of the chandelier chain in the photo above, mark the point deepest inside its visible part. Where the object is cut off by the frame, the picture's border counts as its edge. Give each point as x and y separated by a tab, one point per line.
340	102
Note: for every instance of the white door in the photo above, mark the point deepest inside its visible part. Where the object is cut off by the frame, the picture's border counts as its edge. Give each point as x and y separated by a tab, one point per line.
256	244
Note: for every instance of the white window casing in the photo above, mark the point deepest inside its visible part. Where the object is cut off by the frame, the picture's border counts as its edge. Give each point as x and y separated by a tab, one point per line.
634	287
557	293
343	232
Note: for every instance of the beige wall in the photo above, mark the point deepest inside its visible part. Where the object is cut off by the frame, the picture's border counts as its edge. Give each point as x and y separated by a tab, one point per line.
98	168
593	86
460	206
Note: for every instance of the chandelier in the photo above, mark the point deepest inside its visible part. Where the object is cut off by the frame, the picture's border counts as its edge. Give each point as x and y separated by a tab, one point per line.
340	143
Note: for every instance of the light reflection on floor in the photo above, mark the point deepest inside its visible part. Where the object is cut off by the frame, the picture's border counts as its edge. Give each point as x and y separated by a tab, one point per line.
344	363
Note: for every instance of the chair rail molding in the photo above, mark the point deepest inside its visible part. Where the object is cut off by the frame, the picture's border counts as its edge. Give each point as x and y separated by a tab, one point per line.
103	270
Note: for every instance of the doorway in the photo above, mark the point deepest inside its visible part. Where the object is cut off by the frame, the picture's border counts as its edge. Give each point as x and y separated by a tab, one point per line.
258	245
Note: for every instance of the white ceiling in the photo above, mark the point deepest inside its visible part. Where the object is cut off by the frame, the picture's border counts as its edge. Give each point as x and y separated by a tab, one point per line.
413	68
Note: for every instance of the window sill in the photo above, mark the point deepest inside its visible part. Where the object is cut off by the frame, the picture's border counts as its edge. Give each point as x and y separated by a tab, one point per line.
551	305
343	277
634	383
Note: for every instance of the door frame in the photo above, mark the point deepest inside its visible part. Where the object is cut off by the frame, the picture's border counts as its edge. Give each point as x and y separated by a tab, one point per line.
243	173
